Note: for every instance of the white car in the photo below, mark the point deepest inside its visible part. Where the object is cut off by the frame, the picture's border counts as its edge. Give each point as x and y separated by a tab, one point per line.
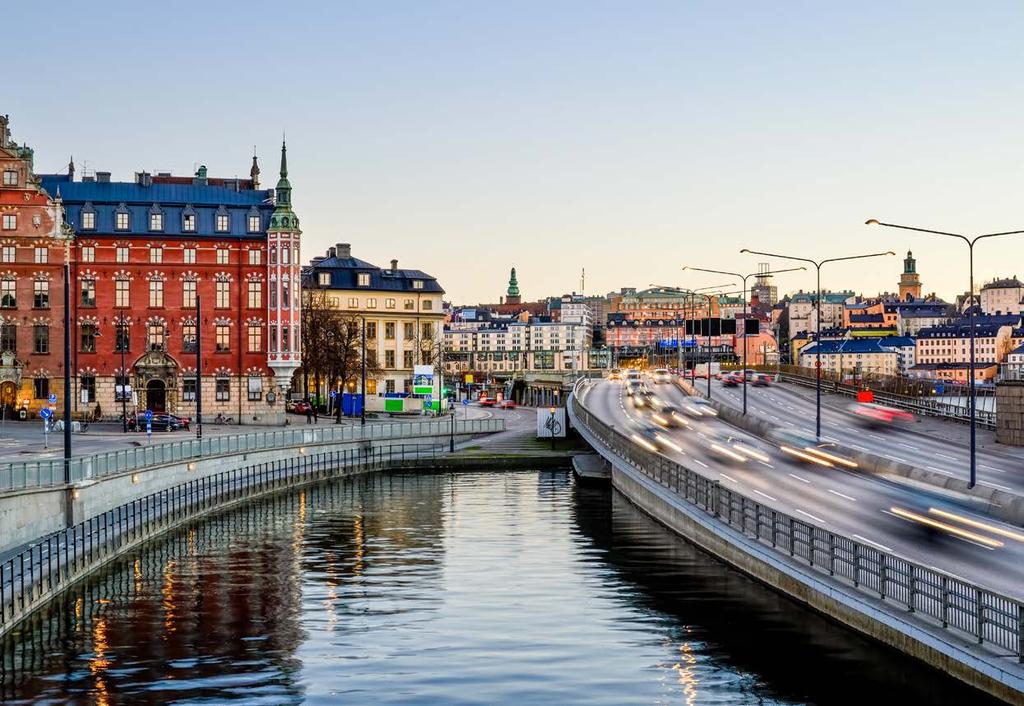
661	375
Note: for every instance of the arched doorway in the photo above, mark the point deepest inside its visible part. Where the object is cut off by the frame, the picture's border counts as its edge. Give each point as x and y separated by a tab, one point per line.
156	396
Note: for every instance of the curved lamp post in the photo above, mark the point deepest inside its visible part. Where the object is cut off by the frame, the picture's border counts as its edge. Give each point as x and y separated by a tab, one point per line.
970	311
744	279
817	347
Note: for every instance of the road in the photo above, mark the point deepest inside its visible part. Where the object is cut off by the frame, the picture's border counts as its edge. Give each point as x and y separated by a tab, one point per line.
851	503
782	404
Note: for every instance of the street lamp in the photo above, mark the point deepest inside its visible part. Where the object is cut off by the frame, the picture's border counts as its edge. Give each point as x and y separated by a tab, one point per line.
970	312
817	348
744	278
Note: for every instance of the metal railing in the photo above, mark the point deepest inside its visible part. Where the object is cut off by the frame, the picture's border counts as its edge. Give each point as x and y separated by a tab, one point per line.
988	617
36	574
50	472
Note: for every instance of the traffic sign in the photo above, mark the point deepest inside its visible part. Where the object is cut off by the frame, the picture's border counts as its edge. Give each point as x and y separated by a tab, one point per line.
332	394
427	400
45	413
53	398
149	415
465	403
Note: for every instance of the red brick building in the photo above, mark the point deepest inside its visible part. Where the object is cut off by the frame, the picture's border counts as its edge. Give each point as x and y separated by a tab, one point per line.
32	252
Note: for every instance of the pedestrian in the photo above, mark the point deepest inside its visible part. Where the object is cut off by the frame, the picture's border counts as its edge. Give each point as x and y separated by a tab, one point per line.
316	418
309	414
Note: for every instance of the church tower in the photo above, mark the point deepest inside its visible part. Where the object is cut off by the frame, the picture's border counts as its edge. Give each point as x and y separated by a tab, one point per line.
284	354
512	295
910	283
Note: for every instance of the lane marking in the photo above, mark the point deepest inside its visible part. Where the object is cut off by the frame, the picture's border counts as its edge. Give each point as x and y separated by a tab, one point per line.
731	478
991	468
995	485
816	519
766	495
874	544
842	495
697	460
897	458
909	446
802	480
946	456
938	470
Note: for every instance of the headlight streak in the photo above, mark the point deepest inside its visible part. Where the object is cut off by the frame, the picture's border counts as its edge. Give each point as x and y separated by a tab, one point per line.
805	456
956	531
1009	534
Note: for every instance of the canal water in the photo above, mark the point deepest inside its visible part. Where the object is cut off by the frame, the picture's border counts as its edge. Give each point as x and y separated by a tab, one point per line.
477	588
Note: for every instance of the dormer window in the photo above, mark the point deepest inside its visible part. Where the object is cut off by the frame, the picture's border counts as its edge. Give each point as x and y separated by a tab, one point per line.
188	220
363	279
121	219
254	221
324	279
156	221
10	177
88	217
222	224
417	284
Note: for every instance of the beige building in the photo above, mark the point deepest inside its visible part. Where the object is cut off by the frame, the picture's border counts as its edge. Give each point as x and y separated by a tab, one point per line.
1002	296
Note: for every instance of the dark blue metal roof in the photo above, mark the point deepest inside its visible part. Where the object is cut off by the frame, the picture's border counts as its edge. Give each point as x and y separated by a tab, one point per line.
344	273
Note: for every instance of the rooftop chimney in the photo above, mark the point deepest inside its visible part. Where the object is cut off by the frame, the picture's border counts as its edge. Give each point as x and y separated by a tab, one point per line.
344	250
143	178
394	265
103	177
331	252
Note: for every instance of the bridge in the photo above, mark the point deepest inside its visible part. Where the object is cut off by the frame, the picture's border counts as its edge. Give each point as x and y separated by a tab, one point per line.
942	583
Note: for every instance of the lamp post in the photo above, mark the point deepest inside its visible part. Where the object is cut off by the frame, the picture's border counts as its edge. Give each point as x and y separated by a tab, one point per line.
362	383
67	363
744	279
817	347
121	342
970	312
199	367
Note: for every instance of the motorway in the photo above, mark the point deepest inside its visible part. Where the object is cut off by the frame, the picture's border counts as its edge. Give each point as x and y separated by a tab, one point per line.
783	405
851	503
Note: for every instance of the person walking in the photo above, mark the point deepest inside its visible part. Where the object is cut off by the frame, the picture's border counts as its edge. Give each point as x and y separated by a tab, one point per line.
309	414
316	416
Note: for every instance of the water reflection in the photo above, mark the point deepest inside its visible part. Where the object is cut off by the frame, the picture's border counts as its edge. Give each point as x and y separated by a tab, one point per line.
478	588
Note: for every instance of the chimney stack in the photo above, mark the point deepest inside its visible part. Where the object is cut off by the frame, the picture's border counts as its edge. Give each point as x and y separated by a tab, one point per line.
344	250
331	252
394	265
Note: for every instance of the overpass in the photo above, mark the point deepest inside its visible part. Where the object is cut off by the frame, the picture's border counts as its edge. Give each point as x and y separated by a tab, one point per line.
833	538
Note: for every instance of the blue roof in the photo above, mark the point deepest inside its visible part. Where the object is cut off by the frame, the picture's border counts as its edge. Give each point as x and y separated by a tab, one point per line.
170	199
897	342
846	346
960	331
344	273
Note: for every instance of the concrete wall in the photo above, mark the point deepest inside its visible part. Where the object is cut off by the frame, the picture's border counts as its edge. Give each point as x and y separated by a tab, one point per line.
1010	412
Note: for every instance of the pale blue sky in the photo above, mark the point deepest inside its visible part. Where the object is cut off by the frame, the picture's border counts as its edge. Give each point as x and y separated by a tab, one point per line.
627	137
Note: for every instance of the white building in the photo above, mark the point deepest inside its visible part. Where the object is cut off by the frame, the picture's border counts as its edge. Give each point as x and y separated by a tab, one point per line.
1002	296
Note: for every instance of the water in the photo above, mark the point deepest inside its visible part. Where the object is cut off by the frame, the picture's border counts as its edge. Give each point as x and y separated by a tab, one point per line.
483	588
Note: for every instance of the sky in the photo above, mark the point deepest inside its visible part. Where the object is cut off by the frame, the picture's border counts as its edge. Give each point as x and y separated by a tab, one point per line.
626	138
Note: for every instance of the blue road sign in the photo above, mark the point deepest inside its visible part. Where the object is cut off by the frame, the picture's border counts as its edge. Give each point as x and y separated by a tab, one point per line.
332	394
149	416
465	403
45	413
426	400
53	398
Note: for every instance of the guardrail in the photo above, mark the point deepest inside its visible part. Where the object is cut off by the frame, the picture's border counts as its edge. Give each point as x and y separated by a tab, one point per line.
988	617
35	575
50	472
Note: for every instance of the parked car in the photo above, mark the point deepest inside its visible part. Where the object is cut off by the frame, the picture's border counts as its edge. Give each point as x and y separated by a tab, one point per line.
161	422
298	406
183	422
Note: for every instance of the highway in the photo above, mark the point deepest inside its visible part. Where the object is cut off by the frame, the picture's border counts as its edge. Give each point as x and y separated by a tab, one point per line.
851	503
781	404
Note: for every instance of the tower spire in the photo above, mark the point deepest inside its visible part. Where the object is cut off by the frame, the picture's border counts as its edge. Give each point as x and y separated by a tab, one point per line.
284	159
254	171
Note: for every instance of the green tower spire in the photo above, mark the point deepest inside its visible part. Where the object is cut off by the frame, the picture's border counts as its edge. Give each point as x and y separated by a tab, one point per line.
513	285
284	218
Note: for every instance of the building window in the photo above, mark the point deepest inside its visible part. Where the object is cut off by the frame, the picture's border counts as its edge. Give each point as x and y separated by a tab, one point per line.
188	294
255	388
8	338
371	330
121	254
40	294
222	256
10	221
156	221
121	339
121	221
427	332
389	386
41	339
353	302
223	295
223	223
286	258
188	337
88	220
273	256
41	388
273	338
156	293
222	393
408	330
428	304
389	359
156	254
371	303
363	279
254	223
389	330
255	338
273	295
8	253
188	223
417	284
285	297
286	338
255	257
188	389
389	303
121	289
406	359
409	304
323	279
255	294
88	338
10	177
155	337
188	256
42	255
223	337
88	253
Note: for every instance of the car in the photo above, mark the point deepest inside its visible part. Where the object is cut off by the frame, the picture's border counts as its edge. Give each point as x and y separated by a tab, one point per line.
507	404
761	380
734	449
182	422
731	379
487	401
661	375
298	406
807	448
161	422
615	374
875	415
